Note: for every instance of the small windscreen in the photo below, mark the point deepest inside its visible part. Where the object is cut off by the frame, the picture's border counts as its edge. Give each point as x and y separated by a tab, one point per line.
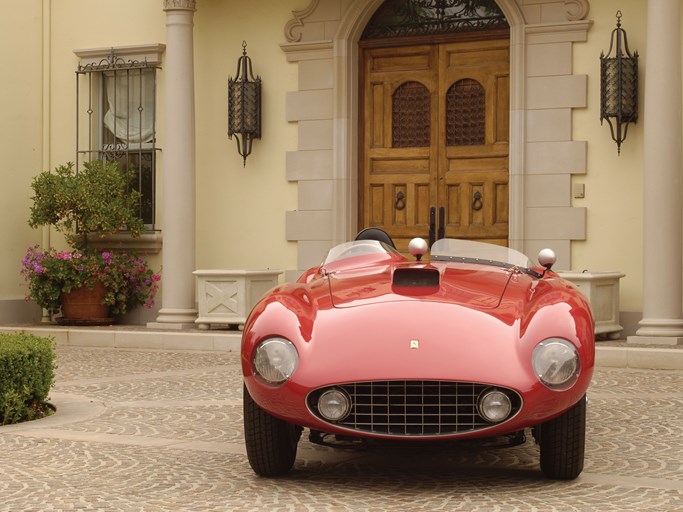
450	249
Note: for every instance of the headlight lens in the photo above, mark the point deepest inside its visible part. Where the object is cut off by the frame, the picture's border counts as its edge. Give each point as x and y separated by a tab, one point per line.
275	360
556	363
334	405
494	406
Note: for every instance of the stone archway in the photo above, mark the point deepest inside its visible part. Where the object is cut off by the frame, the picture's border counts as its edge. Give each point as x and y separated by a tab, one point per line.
323	41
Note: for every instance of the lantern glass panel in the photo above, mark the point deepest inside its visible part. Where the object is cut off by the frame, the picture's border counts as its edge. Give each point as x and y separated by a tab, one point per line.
629	89
619	82
244	107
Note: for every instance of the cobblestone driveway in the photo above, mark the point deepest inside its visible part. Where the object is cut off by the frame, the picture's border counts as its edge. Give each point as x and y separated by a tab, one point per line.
162	431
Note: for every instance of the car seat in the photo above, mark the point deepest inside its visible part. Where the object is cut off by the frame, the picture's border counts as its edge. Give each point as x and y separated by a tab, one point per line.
375	234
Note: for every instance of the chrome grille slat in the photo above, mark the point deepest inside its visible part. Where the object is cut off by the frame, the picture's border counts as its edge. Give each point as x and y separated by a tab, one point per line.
414	408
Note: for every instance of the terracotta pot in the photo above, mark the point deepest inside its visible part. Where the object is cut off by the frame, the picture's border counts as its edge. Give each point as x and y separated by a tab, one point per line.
84	306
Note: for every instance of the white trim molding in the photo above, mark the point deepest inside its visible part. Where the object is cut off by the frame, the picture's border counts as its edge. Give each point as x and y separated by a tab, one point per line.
150	53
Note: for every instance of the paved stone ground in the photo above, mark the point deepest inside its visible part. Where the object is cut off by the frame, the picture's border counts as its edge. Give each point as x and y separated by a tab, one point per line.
162	431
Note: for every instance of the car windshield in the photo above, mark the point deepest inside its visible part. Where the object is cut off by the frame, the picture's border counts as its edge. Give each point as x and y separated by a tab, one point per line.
358	248
449	249
446	249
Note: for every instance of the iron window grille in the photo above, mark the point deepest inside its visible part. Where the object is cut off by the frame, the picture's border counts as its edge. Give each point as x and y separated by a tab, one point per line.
400	18
116	121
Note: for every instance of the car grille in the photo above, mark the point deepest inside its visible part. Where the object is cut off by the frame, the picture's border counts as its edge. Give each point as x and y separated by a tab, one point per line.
414	408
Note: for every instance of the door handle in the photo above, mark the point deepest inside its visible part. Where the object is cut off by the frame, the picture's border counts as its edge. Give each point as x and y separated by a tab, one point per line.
442	223
432	226
400	203
477	203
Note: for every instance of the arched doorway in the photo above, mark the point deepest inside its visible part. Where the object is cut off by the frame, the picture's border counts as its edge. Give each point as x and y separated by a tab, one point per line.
326	107
434	118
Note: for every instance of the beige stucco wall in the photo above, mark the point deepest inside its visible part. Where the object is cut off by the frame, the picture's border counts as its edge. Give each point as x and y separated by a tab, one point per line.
58	27
77	24
241	212
613	184
21	100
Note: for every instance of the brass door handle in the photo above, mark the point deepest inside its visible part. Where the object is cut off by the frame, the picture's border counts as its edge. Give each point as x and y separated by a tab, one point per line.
400	203
477	203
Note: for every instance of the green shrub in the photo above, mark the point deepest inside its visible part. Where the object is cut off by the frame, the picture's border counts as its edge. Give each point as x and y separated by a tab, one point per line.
27	364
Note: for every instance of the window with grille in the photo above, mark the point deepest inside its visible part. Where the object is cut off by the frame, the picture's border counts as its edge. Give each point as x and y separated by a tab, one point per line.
410	116
466	113
116	121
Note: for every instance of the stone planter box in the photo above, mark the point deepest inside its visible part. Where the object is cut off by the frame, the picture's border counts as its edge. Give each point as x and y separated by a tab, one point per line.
227	296
602	291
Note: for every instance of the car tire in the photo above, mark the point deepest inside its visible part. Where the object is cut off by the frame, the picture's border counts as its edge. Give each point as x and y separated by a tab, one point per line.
562	441
271	443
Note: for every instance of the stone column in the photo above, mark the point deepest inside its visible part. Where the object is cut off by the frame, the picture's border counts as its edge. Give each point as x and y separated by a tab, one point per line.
662	321
178	306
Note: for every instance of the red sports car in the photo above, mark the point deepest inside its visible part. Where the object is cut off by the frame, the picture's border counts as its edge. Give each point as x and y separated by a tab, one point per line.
473	342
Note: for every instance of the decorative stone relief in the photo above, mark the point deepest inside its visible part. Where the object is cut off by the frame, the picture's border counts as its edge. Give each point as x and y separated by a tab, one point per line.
227	296
188	5
576	9
298	22
602	291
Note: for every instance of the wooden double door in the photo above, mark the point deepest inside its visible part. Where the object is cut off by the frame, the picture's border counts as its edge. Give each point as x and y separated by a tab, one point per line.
434	143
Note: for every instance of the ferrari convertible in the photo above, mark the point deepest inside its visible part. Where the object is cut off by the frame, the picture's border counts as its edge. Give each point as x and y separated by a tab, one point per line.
461	340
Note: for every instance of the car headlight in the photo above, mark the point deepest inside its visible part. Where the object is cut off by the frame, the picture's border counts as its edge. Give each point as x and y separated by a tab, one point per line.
494	406
556	363
275	360
334	405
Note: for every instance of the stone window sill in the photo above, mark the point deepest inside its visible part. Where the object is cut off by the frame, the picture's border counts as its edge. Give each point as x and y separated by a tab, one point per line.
147	243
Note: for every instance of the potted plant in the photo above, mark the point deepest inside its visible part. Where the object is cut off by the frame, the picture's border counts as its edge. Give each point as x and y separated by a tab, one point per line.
94	201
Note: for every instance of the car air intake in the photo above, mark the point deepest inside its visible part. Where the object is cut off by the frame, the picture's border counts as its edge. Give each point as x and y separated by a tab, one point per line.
416	277
414	408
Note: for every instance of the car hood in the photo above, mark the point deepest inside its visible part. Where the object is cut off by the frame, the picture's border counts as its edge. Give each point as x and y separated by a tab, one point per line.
474	286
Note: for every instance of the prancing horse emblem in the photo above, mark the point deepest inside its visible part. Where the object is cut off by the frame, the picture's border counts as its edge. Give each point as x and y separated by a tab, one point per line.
415	344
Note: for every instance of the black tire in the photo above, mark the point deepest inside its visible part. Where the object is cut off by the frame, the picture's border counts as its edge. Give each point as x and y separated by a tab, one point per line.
271	443
562	442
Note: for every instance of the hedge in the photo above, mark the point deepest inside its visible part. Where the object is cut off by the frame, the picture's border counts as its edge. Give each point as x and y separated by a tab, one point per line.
27	365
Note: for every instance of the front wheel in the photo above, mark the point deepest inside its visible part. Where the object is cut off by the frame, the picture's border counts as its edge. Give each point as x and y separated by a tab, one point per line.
562	441
271	443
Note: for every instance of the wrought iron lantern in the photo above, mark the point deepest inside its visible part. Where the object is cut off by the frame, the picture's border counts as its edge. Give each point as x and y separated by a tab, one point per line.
244	105
619	86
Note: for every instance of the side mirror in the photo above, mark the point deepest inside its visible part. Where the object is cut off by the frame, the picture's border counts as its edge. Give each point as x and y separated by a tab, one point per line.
547	258
418	248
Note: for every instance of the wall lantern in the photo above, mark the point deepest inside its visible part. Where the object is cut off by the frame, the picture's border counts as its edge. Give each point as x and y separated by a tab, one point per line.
619	86
244	105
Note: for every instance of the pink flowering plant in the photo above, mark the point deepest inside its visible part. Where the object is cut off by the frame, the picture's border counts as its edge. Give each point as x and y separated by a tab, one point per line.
84	204
128	279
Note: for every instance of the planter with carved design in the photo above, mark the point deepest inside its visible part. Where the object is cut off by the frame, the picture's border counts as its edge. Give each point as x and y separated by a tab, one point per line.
227	296
602	291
